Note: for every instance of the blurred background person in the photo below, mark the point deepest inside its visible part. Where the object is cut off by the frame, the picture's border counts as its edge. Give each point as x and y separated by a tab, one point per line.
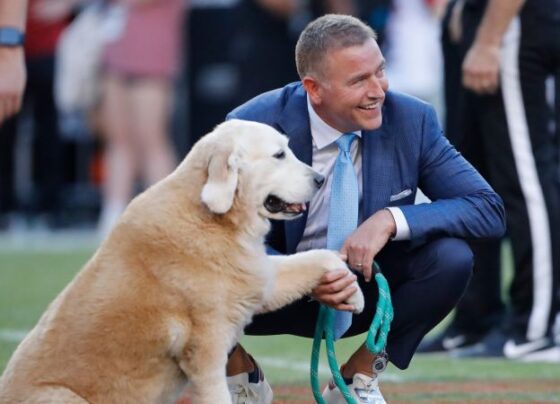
482	306
240	48
12	82
139	67
267	31
12	69
376	14
414	61
46	21
500	55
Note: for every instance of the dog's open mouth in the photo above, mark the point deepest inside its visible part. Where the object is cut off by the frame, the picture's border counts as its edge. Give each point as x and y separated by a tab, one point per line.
276	205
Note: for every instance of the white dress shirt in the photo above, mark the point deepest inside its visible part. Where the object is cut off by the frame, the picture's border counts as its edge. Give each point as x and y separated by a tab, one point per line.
325	151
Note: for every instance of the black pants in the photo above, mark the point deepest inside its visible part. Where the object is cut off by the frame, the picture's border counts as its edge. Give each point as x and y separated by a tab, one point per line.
7	146
510	138
425	284
47	145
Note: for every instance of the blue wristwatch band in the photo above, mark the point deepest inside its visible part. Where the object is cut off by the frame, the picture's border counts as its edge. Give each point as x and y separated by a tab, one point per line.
11	37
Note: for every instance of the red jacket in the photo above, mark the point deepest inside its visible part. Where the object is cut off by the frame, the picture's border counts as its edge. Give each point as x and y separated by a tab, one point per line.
41	37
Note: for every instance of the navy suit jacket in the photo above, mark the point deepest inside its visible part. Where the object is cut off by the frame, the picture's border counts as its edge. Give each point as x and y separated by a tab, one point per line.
407	152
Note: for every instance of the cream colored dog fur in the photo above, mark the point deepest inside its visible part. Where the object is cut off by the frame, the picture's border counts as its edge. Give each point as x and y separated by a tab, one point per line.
168	293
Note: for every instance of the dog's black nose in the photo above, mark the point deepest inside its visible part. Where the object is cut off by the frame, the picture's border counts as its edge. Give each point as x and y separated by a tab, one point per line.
319	179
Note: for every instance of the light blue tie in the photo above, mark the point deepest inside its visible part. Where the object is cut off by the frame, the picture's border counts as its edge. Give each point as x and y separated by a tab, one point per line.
343	212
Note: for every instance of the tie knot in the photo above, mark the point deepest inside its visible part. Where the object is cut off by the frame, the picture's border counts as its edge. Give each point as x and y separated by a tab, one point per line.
345	141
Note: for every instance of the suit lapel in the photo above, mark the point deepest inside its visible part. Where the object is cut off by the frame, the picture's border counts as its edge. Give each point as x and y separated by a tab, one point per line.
295	124
378	166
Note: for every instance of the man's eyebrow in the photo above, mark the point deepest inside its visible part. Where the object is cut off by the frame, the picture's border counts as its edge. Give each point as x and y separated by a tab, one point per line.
358	77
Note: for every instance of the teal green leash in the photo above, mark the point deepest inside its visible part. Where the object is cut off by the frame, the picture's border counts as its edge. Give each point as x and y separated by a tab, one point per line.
375	341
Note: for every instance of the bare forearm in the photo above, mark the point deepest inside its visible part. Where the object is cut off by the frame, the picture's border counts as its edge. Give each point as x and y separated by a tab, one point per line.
13	13
482	62
12	67
497	17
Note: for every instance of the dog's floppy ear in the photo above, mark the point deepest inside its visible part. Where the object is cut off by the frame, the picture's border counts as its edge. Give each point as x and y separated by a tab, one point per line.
219	190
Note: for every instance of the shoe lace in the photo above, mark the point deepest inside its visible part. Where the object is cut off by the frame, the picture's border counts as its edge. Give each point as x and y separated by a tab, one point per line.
242	394
367	390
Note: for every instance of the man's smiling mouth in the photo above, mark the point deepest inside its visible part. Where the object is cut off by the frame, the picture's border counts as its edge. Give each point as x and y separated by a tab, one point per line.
370	107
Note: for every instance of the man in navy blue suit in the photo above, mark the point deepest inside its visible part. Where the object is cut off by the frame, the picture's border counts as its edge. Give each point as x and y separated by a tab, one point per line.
400	148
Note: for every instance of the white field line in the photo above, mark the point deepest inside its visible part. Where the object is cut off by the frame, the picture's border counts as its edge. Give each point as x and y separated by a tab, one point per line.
10	335
286	364
303	367
27	241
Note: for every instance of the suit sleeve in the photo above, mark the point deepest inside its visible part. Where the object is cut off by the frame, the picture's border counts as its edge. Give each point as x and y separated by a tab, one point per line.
463	203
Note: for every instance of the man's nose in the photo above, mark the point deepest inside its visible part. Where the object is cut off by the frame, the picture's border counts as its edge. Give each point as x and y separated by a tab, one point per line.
375	89
318	179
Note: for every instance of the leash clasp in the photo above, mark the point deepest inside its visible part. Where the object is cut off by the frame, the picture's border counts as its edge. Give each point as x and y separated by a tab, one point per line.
380	362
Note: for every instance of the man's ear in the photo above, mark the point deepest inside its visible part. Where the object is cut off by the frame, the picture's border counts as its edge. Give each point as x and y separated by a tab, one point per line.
219	190
312	88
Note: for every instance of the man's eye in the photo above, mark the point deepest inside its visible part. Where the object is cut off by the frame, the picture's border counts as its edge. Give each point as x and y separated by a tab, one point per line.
280	155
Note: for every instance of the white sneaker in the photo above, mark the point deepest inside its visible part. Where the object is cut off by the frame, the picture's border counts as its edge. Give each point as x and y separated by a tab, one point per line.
550	355
244	391
364	389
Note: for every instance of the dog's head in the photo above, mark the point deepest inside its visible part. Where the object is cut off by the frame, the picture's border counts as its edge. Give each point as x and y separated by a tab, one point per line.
252	161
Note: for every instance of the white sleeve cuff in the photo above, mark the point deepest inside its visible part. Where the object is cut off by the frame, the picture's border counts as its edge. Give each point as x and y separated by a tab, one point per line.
403	231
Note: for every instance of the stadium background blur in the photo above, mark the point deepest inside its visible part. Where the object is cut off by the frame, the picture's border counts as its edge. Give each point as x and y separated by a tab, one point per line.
231	50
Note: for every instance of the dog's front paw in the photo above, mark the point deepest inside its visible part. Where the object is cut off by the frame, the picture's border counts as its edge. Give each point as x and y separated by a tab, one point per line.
357	299
331	261
325	260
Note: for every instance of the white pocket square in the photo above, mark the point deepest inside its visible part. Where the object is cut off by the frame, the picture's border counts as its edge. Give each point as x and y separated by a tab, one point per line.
400	195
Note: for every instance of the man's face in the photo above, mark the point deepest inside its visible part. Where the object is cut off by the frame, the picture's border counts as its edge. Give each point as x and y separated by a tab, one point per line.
350	89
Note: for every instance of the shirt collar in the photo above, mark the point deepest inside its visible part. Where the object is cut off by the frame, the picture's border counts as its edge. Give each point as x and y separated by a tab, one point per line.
322	133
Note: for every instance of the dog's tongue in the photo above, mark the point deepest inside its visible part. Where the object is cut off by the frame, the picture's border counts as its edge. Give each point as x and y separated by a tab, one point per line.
295	207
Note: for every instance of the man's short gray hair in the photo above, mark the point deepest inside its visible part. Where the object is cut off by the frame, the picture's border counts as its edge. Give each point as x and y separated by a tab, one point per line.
331	31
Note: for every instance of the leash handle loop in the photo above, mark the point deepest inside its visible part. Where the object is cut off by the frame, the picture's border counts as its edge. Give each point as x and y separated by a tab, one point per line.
375	341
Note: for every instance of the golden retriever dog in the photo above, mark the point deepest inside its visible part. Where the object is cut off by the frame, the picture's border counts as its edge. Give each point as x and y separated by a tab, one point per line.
168	293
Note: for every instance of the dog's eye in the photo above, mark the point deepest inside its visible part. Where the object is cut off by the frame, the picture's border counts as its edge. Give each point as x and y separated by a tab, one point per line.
280	155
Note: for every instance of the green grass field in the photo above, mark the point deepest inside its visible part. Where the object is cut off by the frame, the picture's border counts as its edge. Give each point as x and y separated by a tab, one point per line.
30	280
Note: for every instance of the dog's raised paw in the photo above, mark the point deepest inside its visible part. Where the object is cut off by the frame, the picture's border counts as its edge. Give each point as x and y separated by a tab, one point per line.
357	300
326	259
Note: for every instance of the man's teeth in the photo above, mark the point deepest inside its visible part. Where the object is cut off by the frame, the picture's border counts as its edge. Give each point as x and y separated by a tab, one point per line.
371	106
